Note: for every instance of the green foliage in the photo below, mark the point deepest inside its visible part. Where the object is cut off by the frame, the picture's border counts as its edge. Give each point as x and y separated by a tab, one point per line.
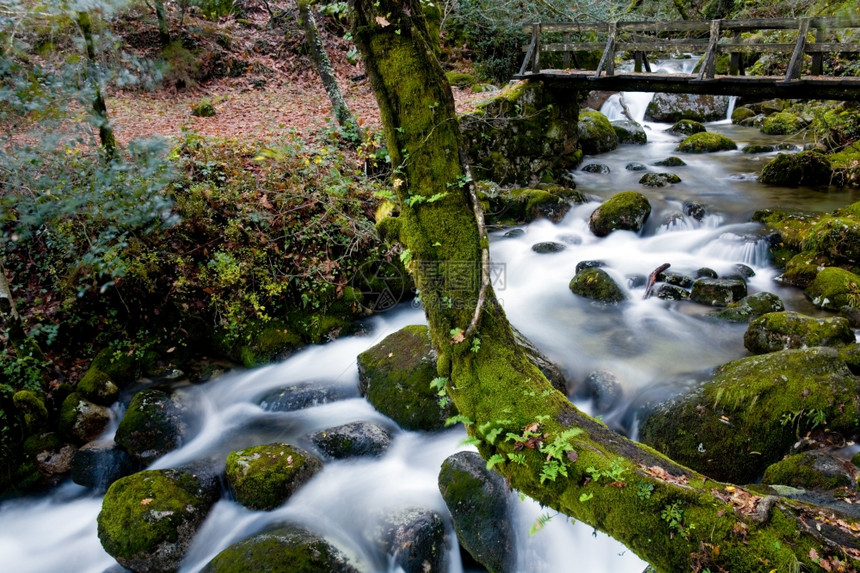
439	385
673	515
808	418
644	490
215	9
613	474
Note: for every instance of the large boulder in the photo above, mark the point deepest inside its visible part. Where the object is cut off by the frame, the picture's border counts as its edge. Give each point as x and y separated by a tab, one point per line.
625	211
734	426
82	421
817	469
148	519
597	285
413	539
477	499
352	440
834	288
750	307
154	424
518	206
98	387
782	330
669	108
686	127
596	134
718	292
286	549
304	395
782	123
629	131
659	179
264	477
98	464
795	169
706	143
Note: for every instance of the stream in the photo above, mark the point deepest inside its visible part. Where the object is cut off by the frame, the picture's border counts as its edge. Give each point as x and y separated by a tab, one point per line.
653	347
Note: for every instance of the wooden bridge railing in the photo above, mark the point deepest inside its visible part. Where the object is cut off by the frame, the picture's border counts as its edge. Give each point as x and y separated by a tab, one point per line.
710	38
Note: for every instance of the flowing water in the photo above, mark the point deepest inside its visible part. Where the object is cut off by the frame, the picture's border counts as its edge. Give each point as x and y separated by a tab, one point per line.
651	346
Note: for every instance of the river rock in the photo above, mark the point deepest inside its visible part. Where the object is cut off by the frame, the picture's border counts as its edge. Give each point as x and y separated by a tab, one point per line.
304	395
834	288
352	440
669	108
751	307
153	425
732	427
718	292
677	279
264	477
414	539
596	168
148	519
671	292
781	330
706	143
603	388
395	377
626	211
287	548
850	354
51	458
596	134
629	131
659	179
756	148
98	464
795	169
519	206
98	387
782	123
548	247
596	284
706	273
671	161
478	501
815	469
636	166
686	127
741	113
582	265
82	421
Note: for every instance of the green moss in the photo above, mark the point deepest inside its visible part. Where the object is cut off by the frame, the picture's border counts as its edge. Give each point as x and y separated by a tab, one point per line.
596	134
834	288
264	477
836	237
626	211
659	179
742	113
97	386
687	127
597	285
751	307
120	367
780	330
203	108
460	79
794	169
32	407
782	123
706	143
805	470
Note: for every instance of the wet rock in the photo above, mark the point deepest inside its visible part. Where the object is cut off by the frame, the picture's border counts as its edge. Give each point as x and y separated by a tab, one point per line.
706	143
518	206
669	108
352	440
677	279
754	121
718	292
414	540
395	377
148	519
686	127
671	292
513	233
782	123
304	395
636	166
851	314
477	499
596	168
98	464
694	209
795	169
636	281
732	427
754	148
596	134
596	284
548	247
603	388
834	288
582	265
82	421
264	477
629	132
781	330
706	273
670	161
750	307
742	113
153	425
659	179
744	271
97	387
288	548
627	211
850	354
816	469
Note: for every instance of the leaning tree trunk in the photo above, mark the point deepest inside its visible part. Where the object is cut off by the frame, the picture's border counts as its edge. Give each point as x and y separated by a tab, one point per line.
323	67
671	516
106	135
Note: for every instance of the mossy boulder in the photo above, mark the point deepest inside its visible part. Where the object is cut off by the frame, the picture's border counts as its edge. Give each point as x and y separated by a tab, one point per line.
718	292
687	127
751	307
741	113
460	79
781	330
834	288
733	426
522	135
596	134
629	131
795	169
203	108
659	179
846	165
148	519
352	440
98	387
264	477
51	460
836	236
816	470
395	377
706	143
802	268
521	205
625	211
31	407
850	354
670	108
671	161
98	464
596	284
285	549
782	123
82	421
154	424
477	499
267	342
123	367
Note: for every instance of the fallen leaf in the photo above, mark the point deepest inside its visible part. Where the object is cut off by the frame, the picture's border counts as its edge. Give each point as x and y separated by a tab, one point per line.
382	21
146	501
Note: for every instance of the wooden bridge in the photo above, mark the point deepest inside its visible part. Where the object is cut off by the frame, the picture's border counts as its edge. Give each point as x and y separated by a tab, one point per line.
803	43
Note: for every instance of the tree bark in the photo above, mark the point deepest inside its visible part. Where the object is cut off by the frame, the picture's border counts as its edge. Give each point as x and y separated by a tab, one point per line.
671	516
163	27
106	136
323	67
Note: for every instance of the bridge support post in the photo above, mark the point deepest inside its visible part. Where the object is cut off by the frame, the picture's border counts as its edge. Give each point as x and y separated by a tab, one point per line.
796	64
818	57
736	62
607	61
536	29
709	64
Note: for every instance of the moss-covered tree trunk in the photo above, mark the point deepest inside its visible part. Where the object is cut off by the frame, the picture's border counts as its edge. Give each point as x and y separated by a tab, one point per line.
323	67
163	27
106	136
672	517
